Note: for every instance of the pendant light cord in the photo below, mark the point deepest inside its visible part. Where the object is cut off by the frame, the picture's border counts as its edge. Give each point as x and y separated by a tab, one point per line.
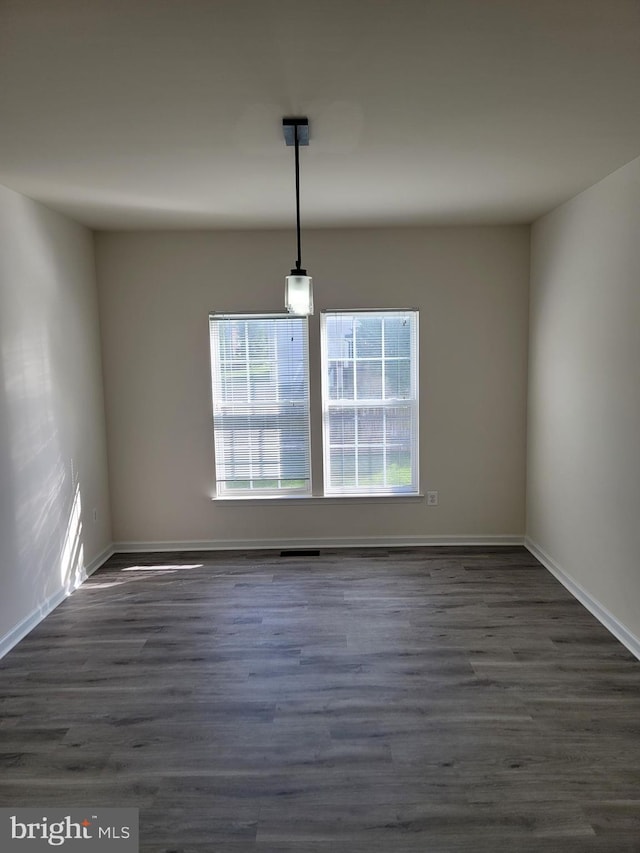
299	260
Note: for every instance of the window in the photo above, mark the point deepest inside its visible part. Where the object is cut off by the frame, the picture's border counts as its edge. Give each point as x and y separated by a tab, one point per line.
260	379
370	402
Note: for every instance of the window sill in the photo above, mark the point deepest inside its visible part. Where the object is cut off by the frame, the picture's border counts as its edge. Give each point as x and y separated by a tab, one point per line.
322	499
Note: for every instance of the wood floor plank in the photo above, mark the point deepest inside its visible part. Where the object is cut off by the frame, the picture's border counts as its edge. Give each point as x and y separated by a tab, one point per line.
387	701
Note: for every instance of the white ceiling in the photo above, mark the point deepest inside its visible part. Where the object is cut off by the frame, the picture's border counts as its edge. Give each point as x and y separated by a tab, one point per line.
167	113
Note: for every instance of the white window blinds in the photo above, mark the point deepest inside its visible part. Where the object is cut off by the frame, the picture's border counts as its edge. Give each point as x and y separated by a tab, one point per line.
370	402
260	377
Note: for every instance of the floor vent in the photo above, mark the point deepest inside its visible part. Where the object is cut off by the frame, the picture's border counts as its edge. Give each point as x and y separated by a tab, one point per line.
306	552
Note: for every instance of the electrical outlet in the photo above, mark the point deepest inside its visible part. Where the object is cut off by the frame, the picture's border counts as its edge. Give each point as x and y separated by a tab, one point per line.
432	499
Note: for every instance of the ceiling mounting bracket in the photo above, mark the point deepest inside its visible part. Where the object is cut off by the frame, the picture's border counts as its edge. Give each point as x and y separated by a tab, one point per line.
289	126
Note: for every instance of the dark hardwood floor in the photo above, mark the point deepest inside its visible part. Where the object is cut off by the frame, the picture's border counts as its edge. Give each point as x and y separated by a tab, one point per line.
390	701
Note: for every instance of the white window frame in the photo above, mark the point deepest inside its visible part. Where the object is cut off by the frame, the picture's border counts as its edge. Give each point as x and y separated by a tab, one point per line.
412	403
219	407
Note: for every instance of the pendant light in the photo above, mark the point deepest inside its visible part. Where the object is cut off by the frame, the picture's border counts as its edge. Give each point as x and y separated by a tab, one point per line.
298	292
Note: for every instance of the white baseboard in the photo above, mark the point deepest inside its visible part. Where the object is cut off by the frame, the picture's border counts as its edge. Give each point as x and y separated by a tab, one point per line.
613	625
13	637
317	542
98	561
29	623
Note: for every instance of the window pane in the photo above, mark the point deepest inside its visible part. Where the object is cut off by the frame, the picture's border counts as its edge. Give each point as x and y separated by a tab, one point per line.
339	335
343	468
399	467
370	426
340	380
261	341
397	379
368	336
397	337
263	381
369	380
342	427
398	423
370	467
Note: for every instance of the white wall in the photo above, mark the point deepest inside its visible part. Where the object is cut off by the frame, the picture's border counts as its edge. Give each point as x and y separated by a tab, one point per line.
471	286
583	498
52	438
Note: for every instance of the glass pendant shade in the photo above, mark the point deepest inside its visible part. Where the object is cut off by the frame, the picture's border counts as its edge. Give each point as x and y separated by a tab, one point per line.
298	294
